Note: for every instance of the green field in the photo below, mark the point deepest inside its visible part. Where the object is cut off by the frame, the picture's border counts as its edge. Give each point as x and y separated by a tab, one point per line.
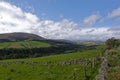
48	68
24	44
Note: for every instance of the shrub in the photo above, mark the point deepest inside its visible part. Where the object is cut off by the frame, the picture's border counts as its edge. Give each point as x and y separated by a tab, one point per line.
113	52
12	70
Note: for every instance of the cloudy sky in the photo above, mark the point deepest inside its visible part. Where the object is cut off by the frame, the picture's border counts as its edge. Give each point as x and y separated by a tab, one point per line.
62	19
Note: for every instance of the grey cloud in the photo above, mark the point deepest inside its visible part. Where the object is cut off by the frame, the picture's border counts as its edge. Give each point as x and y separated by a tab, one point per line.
92	30
114	29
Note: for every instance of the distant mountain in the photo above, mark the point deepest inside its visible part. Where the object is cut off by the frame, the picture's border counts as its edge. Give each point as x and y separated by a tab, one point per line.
97	41
18	36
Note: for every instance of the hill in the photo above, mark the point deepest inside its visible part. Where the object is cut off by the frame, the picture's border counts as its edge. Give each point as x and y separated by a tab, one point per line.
18	36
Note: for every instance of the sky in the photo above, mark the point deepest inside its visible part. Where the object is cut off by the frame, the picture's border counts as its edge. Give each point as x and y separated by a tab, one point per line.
62	19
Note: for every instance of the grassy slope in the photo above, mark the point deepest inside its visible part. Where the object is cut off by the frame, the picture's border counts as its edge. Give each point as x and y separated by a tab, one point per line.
114	67
24	44
47	72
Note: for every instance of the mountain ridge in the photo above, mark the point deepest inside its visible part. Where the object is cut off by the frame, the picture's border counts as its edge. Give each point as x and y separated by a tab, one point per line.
18	36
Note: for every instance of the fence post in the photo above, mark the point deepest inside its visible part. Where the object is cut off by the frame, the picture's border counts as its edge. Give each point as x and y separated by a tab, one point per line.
93	62
74	74
85	74
91	67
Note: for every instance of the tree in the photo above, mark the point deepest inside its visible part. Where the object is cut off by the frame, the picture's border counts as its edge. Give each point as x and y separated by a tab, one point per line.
112	42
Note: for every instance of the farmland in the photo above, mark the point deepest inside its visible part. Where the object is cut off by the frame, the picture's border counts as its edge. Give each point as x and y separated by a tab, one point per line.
49	67
47	59
24	44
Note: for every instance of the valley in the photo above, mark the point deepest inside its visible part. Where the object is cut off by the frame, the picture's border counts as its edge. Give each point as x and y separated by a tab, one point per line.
32	59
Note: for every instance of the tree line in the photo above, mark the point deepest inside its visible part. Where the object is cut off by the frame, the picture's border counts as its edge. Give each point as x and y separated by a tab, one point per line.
12	53
113	42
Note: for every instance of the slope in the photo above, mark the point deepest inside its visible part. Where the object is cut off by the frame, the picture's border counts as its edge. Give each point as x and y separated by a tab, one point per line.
54	67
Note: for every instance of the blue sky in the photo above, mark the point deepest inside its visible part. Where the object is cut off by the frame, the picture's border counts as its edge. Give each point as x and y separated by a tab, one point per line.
85	16
75	10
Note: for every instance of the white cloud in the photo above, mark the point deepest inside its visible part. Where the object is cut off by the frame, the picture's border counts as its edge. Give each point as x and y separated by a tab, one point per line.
114	13
90	20
51	29
14	19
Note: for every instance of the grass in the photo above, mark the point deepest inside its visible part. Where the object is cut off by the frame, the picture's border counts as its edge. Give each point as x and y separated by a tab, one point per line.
114	67
61	57
38	72
24	44
50	71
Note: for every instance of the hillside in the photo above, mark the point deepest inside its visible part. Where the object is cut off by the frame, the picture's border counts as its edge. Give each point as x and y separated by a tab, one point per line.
55	67
18	36
58	59
24	44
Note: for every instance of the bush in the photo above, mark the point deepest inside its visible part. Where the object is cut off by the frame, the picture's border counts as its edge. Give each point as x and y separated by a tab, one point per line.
12	70
113	52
